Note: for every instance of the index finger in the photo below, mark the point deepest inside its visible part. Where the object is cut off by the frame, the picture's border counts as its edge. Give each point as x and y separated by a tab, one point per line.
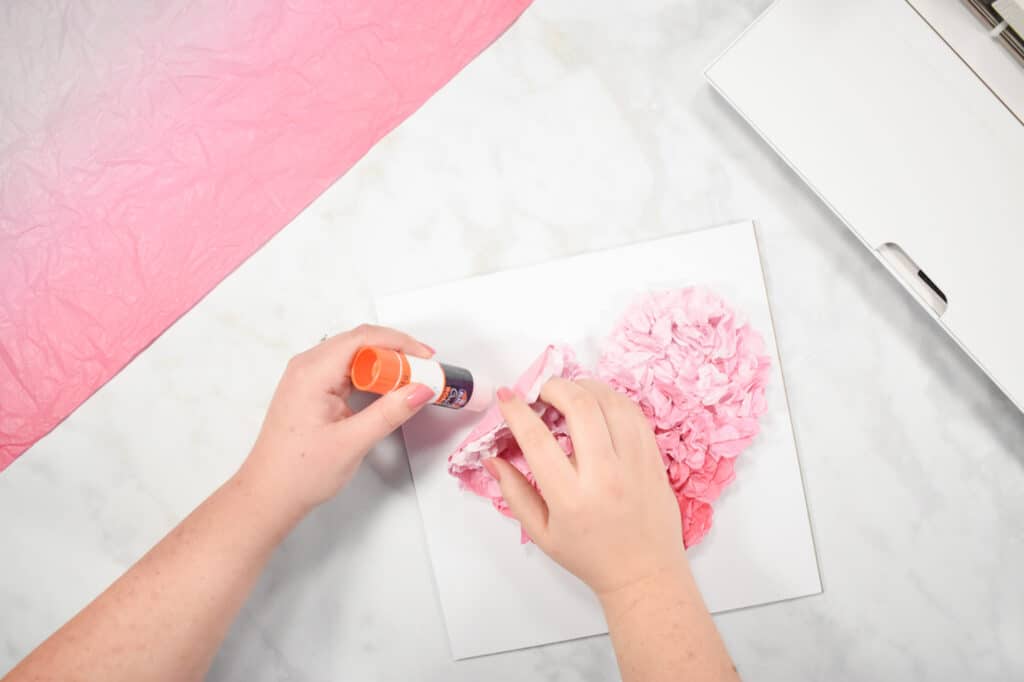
333	356
548	462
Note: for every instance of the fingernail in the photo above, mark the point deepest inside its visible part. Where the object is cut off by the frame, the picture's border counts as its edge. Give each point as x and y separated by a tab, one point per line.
419	396
492	469
505	394
429	348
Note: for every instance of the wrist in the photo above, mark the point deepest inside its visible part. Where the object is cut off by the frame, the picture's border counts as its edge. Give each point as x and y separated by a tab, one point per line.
267	497
672	581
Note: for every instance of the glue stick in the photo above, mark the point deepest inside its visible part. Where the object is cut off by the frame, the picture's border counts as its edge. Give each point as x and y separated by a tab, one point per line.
382	370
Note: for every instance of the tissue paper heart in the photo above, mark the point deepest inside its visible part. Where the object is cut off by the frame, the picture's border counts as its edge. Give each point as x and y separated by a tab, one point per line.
698	373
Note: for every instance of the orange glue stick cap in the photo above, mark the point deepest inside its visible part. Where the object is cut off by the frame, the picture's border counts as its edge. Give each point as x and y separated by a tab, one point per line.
379	370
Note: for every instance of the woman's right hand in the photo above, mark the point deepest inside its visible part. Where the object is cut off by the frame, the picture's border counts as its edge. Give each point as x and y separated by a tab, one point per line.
607	514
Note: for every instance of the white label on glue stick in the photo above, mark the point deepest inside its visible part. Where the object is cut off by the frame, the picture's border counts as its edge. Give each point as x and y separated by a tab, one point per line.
428	373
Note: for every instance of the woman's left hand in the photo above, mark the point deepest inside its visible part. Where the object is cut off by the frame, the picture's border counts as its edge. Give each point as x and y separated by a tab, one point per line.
311	442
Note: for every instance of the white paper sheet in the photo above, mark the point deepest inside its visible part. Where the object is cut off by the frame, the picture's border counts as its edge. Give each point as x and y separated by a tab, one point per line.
497	594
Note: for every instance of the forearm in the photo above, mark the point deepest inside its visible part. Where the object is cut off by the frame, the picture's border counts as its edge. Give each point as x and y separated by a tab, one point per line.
165	618
662	632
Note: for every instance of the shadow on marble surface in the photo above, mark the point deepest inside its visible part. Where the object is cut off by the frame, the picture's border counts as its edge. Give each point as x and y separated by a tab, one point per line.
296	606
302	615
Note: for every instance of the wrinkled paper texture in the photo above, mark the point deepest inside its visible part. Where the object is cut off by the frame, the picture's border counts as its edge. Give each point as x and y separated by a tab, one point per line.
148	148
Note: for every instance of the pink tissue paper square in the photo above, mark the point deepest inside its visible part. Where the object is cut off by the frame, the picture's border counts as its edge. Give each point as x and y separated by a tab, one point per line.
147	149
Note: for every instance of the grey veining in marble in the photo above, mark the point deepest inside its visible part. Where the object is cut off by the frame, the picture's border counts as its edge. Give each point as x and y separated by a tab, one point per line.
588	124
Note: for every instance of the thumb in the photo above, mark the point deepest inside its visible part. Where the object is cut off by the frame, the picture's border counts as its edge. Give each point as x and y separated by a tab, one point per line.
385	414
524	501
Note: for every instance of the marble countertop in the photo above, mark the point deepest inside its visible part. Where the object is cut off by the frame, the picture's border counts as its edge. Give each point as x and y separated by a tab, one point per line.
587	125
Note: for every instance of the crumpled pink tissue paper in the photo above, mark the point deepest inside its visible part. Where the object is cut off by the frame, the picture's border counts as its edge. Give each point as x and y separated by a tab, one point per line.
697	371
147	149
491	437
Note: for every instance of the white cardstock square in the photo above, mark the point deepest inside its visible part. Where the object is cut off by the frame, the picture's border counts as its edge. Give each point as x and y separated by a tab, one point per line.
497	594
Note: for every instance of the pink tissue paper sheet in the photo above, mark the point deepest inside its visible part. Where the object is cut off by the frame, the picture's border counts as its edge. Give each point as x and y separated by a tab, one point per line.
147	149
698	373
